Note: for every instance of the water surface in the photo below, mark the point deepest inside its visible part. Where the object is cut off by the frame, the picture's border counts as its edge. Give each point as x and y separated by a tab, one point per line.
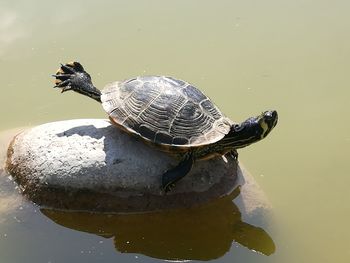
248	56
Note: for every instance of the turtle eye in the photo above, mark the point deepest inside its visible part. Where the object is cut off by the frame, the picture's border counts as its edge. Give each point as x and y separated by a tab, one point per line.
237	127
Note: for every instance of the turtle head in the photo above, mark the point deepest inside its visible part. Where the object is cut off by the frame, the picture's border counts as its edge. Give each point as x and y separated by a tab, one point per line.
253	129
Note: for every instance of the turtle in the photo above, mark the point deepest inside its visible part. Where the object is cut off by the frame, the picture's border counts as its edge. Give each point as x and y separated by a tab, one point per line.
170	114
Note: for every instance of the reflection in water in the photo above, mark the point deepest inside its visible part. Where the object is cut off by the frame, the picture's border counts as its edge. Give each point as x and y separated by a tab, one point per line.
201	233
10	199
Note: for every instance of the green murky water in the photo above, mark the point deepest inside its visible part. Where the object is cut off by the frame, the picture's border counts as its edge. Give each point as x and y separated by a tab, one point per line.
248	56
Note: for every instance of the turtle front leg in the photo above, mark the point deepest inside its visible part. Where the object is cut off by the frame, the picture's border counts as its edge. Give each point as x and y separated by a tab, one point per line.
229	154
173	175
233	154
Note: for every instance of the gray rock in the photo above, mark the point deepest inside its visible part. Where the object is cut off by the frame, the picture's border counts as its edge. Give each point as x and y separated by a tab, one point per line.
91	165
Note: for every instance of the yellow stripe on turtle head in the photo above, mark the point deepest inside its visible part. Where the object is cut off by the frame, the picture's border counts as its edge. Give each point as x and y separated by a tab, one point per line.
264	126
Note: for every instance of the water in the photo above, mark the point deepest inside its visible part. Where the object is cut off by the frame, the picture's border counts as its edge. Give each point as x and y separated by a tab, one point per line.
248	56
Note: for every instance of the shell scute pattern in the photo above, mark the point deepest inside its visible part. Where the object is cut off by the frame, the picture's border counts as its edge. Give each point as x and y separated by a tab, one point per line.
191	122
164	110
176	82
212	109
180	141
146	131
163	137
194	94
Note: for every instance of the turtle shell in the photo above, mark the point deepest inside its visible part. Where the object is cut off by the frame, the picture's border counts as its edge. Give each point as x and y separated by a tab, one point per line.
164	111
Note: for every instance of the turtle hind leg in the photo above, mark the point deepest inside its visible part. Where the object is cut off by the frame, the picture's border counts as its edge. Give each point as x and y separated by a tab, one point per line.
173	175
69	75
72	76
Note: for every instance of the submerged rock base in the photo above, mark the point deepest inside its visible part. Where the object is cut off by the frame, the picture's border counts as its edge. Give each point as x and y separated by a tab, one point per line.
91	165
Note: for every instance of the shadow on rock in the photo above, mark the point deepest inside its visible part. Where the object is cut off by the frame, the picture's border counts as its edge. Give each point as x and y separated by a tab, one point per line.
86	130
201	233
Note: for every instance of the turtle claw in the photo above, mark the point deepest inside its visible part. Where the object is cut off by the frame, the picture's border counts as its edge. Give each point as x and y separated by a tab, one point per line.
62	84
234	154
66	88
65	85
167	189
65	74
77	66
65	69
70	68
61	76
